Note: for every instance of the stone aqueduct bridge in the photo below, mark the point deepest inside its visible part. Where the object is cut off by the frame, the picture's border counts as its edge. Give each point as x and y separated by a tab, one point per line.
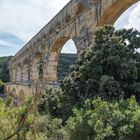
35	64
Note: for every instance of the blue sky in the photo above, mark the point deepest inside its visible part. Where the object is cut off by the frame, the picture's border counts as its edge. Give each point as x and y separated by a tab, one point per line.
20	20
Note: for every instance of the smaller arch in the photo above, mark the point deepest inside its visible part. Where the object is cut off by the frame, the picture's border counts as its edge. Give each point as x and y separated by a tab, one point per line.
54	58
58	45
18	73
25	71
13	91
13	74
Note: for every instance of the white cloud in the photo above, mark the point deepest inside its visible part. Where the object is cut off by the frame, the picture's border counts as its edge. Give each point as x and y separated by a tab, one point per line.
69	47
130	18
24	18
134	18
7	43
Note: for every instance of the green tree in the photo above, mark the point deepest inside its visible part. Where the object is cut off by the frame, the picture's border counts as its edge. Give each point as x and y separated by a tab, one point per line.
51	103
109	69
102	120
20	123
4	72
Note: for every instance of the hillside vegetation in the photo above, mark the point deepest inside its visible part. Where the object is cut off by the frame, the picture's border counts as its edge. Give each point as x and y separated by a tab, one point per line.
64	64
65	61
4	72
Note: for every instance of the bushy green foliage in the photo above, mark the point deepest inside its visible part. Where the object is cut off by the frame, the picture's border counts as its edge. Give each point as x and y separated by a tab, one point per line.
102	120
4	72
19	123
96	120
50	102
54	129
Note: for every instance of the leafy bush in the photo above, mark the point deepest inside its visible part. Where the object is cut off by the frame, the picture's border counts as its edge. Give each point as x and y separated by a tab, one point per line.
4	72
54	129
102	120
51	103
19	123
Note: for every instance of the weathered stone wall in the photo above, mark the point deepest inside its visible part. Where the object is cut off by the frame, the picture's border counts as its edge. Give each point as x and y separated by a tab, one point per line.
37	61
19	92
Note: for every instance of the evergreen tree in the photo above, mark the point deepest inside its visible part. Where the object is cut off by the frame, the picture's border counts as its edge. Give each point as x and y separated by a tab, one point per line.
109	68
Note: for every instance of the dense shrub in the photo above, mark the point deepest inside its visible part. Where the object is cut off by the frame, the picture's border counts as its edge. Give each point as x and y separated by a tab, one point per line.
4	72
20	123
102	120
51	102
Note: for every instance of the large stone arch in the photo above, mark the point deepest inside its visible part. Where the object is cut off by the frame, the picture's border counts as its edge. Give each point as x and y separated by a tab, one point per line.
13	74
18	73
54	57
26	71
36	66
13	93
111	11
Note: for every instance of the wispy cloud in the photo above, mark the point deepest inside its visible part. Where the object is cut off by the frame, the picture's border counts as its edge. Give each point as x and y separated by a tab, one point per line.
134	18
69	47
9	44
24	18
6	43
130	18
20	20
